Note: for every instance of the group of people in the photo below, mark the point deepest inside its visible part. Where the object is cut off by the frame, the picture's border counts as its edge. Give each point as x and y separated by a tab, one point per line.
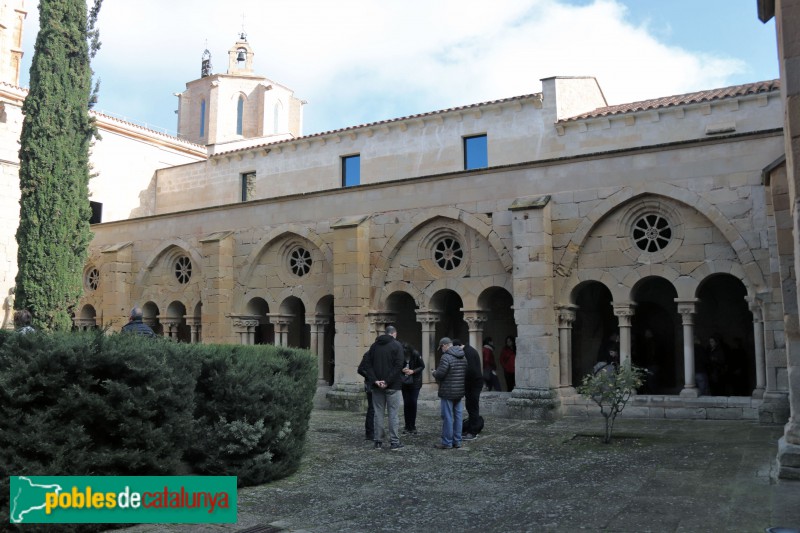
23	320
508	359
391	369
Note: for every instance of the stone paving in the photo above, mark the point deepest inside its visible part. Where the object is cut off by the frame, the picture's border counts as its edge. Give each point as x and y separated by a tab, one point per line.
524	475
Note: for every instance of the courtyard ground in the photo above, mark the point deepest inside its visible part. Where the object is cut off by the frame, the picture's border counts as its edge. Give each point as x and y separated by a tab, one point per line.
523	475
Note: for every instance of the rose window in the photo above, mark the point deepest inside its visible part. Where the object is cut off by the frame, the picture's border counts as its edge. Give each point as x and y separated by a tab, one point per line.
448	253
300	262
93	279
652	233
183	269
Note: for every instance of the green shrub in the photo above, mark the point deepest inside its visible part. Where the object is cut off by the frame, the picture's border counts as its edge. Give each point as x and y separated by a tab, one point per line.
611	388
252	409
90	404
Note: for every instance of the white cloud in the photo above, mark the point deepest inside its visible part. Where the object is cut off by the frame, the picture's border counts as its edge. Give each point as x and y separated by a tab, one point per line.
359	61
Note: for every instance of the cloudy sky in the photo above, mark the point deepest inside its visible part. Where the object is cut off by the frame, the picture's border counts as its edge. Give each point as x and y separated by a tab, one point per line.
360	61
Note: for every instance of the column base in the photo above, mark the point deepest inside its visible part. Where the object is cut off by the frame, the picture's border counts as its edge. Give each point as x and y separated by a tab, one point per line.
758	393
687	392
774	408
788	460
347	397
537	404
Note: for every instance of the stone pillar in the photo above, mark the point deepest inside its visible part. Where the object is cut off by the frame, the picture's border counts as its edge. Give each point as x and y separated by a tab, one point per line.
758	340
317	341
352	290
116	283
686	308
218	283
171	327
428	319
378	321
624	311
785	13
244	326
194	326
566	316
475	321
84	324
537	374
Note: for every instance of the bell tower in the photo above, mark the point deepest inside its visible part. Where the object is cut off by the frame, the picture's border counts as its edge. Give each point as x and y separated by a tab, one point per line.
240	57
12	16
228	111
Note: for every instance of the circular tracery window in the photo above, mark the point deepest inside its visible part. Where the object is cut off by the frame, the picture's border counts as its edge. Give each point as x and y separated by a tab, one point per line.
652	233
300	261
93	279
448	253
183	269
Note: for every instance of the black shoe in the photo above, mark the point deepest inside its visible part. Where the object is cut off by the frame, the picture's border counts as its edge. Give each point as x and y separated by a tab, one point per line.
406	431
456	446
398	446
469	436
440	446
369	437
378	445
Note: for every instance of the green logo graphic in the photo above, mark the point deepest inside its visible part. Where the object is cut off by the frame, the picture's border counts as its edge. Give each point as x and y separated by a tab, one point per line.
122	499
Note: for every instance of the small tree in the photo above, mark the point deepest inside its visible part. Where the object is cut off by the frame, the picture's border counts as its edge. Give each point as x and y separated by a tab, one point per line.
611	388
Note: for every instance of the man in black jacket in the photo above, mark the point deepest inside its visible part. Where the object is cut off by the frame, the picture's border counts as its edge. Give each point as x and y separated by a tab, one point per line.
369	420
473	385
384	366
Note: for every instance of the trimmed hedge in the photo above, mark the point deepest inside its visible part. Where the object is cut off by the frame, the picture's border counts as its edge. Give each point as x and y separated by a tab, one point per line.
93	404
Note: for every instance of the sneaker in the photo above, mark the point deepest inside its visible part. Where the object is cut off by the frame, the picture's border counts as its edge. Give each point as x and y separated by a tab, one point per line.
406	431
397	446
469	436
440	446
378	445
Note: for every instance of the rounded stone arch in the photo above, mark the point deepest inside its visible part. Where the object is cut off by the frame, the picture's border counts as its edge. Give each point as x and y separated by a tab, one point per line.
265	242
297	293
150	316
167	248
497	304
87	312
457	285
381	296
690	199
257	306
86	318
736	270
593	327
176	309
400	236
297	331
572	286
403	306
449	304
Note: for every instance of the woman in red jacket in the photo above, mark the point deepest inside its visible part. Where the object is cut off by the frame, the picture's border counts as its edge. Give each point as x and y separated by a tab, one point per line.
508	358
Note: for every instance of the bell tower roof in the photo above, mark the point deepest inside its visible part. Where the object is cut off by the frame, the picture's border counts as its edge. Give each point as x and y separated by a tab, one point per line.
240	57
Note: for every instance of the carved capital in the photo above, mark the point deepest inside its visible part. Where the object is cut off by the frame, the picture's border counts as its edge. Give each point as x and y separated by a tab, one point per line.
475	319
566	314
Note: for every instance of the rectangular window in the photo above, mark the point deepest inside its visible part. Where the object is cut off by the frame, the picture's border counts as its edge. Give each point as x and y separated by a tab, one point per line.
475	152
248	186
203	118
97	212
351	170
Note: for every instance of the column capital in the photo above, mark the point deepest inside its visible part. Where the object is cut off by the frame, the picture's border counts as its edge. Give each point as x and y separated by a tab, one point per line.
754	303
687	306
566	314
242	322
192	320
624	311
475	319
318	320
279	319
426	316
84	323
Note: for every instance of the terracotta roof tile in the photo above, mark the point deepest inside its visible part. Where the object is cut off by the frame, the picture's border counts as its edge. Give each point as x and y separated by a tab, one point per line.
682	99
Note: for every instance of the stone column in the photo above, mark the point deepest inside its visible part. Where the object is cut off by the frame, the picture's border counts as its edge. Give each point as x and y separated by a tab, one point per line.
171	327
566	316
624	311
428	319
475	321
317	341
244	327
378	320
194	326
686	308
758	340
84	324
281	323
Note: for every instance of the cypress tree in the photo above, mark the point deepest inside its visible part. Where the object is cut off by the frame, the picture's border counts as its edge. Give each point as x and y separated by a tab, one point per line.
53	234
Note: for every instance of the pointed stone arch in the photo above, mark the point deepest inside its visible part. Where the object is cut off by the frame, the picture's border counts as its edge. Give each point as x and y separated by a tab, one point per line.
265	242
753	277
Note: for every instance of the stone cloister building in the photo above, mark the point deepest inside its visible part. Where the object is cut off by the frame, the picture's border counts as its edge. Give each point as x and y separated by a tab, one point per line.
552	217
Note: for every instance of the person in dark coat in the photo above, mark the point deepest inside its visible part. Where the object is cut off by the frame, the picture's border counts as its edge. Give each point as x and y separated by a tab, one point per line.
412	383
136	325
473	385
384	366
369	420
450	375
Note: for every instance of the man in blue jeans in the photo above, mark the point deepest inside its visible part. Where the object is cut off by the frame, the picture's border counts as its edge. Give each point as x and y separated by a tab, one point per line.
383	365
450	375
